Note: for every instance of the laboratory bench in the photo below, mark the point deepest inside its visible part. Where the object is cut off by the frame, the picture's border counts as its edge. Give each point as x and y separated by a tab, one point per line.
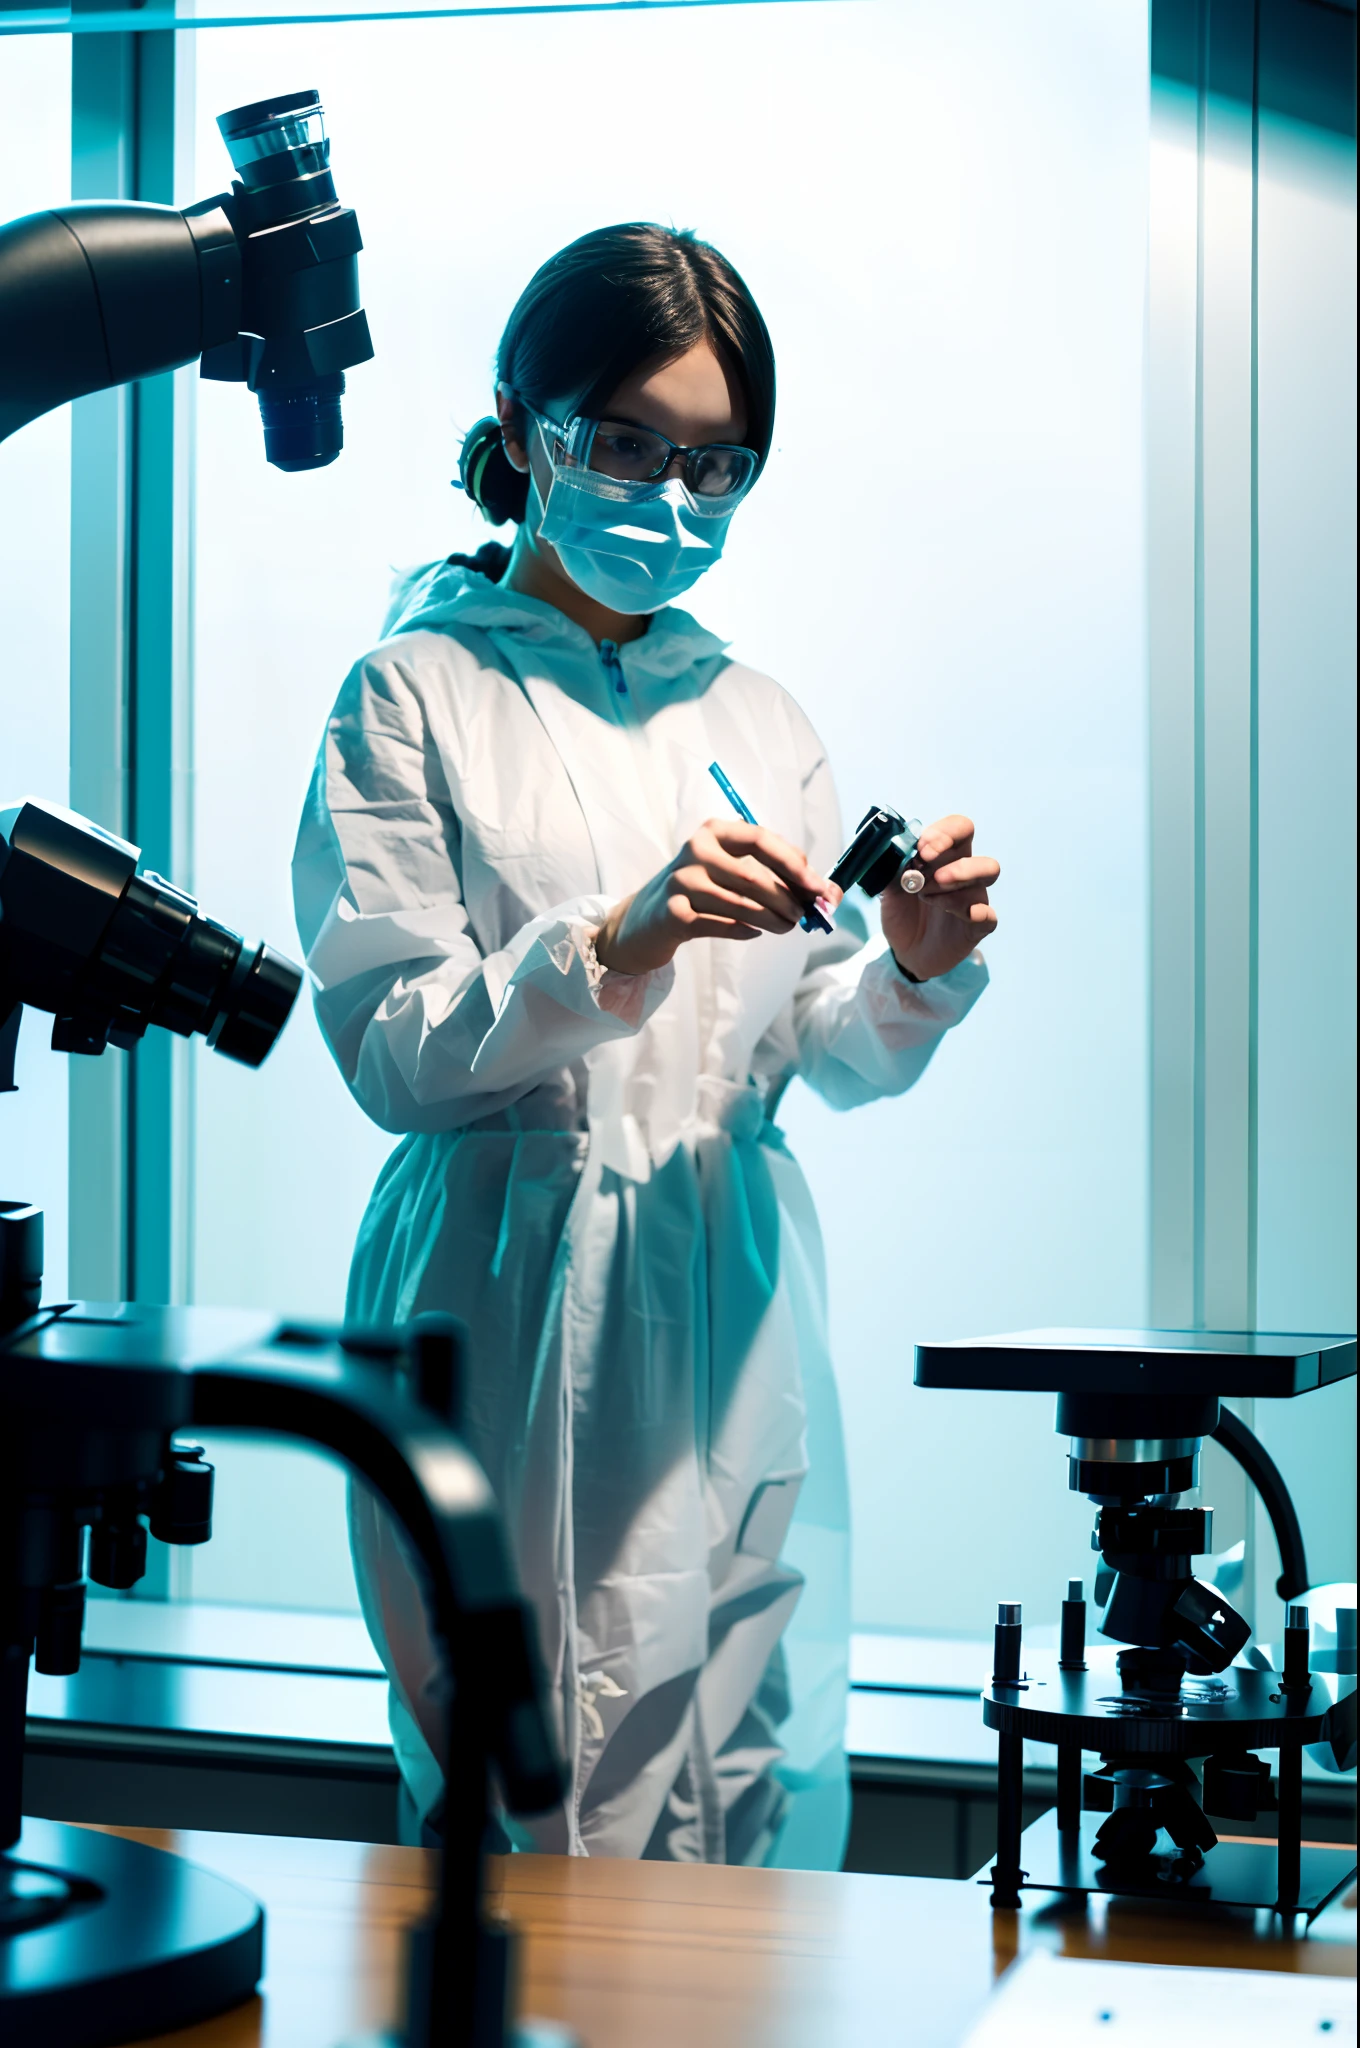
275	1722
656	1955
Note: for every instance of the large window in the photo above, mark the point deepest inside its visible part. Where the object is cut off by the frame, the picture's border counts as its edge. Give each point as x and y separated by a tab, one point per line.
1004	280
942	210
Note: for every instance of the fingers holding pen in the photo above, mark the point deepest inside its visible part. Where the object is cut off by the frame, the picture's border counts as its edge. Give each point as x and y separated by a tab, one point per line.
766	906
731	880
760	855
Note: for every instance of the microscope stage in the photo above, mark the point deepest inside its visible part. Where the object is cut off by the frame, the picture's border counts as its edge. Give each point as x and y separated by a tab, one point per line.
1184	1363
1238	1708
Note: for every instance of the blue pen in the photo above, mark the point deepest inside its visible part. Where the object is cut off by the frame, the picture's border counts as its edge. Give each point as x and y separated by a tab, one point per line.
816	916
742	809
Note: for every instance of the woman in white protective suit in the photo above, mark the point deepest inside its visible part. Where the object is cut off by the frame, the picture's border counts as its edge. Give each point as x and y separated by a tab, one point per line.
577	994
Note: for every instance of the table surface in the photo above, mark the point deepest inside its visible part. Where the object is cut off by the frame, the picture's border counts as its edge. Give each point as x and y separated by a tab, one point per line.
663	1954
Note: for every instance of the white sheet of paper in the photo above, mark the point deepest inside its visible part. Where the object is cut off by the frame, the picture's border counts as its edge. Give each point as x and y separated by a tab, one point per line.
1051	2002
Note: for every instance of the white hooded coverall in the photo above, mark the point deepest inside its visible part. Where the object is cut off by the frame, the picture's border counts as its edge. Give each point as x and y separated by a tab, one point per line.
588	1176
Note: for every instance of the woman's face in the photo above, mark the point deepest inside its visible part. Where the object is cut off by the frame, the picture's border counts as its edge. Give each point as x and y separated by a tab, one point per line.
691	399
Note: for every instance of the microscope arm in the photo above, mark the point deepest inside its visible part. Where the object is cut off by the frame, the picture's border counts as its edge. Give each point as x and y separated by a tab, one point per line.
1265	1475
443	1502
441	1498
97	295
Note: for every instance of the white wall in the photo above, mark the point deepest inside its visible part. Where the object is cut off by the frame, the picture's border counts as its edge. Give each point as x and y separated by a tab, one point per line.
35	498
942	211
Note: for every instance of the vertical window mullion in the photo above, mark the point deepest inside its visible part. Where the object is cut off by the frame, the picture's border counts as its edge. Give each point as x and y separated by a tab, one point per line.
131	769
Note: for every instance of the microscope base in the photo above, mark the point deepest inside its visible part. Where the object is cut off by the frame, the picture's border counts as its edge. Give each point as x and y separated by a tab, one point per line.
140	1943
1231	1874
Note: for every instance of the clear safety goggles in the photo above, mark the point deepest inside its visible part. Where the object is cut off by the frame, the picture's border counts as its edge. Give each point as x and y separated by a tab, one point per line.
617	460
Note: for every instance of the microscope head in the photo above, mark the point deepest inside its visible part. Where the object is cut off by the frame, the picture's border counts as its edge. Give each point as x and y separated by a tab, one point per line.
110	948
261	284
302	322
1135	1407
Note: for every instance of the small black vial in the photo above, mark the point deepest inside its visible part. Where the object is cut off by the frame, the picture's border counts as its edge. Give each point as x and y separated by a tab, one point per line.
1296	1674
1006	1650
1072	1634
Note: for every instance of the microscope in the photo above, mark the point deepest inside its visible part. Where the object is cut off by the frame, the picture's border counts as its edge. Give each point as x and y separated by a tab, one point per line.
1187	1688
259	284
103	1939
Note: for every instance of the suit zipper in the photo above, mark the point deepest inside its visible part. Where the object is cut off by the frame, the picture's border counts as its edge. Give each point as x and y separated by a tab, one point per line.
613	667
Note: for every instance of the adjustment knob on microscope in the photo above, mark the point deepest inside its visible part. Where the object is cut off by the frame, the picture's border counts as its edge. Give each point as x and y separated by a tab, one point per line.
61	1617
181	1506
118	1553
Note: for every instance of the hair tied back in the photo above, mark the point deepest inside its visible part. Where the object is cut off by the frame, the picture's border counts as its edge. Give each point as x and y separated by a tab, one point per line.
484	470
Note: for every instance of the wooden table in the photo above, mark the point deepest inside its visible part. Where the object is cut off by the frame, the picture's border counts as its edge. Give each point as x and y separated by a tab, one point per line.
655	1955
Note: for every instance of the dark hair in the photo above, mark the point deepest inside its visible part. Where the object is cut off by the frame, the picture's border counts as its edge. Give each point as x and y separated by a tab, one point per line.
598	310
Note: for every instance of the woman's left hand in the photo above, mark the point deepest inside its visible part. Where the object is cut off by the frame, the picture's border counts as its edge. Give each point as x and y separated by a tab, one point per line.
932	932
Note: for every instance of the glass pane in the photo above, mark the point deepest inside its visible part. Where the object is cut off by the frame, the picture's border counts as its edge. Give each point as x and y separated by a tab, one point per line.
942	211
35	546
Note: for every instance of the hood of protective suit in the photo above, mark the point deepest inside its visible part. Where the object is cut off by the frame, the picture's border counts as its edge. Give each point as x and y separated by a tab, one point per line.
441	596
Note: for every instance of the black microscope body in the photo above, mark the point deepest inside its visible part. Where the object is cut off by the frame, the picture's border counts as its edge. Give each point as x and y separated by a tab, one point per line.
102	1939
1185	1688
261	283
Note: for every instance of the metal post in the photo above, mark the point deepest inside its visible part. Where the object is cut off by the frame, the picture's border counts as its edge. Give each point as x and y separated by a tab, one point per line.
1069	1790
14	1655
1010	1771
1007	1875
1290	1833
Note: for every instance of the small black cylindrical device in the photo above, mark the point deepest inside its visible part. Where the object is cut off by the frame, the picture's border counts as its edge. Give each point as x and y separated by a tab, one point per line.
882	846
865	860
1006	1644
1296	1672
1072	1633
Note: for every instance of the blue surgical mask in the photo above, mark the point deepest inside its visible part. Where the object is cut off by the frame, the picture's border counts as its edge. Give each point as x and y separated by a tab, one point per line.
635	555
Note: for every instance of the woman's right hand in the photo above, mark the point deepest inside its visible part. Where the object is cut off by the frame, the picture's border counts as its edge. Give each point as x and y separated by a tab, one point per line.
728	881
